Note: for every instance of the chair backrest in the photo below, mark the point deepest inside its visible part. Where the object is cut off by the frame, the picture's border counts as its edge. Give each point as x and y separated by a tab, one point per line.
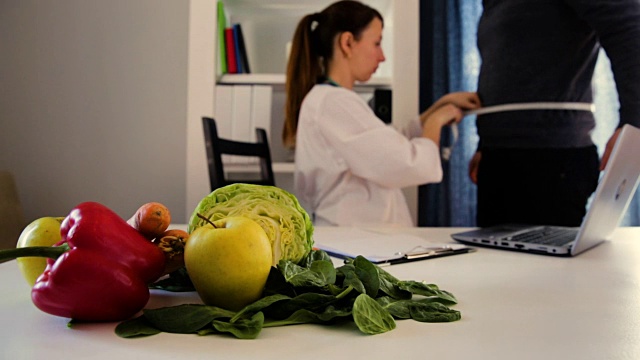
217	146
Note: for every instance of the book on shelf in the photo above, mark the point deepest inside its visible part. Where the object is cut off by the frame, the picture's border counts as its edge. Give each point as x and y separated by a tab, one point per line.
222	24
232	65
232	51
236	53
236	47
241	50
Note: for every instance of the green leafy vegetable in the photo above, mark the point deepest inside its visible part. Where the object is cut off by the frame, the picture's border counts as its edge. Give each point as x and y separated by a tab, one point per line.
367	272
184	319
137	327
433	312
424	310
430	290
371	317
304	316
310	291
258	305
177	281
286	223
243	328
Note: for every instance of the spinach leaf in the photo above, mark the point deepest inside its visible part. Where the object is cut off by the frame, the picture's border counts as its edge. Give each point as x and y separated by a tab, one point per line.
315	276
258	305
243	328
137	327
344	293
423	310
367	273
278	285
370	317
184	319
325	270
310	301
177	281
399	309
304	316
429	290
433	312
334	289
314	255
207	331
348	272
389	286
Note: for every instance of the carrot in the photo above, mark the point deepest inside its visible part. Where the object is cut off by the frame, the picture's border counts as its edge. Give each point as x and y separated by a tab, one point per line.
151	220
172	242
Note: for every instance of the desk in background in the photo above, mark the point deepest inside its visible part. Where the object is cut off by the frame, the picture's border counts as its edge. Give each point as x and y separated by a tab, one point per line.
513	305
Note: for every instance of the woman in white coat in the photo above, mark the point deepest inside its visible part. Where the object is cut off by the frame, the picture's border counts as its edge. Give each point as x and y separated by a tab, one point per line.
350	167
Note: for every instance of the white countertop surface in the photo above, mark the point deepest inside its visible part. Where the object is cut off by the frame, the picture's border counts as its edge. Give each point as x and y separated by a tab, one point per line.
513	305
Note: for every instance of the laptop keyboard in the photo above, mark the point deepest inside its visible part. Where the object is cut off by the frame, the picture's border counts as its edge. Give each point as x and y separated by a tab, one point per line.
547	236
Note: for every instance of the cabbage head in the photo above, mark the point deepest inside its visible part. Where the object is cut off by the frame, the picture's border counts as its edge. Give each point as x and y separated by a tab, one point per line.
286	223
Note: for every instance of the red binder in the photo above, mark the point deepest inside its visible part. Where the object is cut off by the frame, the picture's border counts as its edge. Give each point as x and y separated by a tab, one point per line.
232	67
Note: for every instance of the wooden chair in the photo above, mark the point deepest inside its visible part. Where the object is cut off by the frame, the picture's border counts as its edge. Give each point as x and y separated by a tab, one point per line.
216	147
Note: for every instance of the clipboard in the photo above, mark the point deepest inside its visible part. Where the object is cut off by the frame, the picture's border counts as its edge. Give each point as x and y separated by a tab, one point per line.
382	248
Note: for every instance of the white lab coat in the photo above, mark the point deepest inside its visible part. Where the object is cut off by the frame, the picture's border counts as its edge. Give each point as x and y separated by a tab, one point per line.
350	167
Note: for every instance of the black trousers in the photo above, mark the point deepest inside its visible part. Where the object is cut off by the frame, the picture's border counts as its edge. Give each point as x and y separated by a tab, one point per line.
536	186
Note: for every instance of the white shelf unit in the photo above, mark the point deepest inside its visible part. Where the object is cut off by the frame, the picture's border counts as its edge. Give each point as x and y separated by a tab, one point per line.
279	80
278	167
268	26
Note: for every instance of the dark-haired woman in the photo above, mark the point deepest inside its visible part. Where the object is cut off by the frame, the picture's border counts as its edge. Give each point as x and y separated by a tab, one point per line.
350	166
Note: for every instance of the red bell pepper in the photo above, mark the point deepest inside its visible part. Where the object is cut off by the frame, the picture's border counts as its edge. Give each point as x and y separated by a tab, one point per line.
105	273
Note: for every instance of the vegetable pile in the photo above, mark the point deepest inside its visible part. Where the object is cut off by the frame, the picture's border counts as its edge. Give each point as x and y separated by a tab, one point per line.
103	266
277	211
312	291
99	271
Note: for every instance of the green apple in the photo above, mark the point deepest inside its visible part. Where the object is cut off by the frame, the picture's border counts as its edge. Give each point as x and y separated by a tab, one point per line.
44	231
228	262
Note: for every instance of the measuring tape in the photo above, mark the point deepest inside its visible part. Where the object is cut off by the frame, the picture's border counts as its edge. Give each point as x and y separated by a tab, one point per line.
578	106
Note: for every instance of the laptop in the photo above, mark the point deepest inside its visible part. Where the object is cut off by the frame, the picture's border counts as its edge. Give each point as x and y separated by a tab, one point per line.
612	197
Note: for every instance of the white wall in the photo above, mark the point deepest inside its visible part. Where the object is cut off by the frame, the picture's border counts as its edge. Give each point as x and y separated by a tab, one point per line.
93	103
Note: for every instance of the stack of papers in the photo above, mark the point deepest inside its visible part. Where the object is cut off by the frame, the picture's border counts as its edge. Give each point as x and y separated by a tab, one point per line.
381	247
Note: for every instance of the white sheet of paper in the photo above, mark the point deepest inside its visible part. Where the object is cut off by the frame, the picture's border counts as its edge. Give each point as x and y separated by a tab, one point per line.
373	245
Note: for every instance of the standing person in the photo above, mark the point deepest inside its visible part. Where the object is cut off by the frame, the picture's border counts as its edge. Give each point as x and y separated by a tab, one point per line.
350	166
541	166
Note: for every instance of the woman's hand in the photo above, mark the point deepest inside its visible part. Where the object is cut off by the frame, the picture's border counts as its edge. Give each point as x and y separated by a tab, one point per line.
608	148
442	116
461	99
473	167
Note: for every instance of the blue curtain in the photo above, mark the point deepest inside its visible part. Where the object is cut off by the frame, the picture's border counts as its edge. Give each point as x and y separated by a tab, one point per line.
449	61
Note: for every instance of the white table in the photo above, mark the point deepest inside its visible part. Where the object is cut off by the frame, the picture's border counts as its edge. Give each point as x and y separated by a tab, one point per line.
513	305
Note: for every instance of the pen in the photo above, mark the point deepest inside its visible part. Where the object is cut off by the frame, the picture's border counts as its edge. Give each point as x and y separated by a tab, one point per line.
435	252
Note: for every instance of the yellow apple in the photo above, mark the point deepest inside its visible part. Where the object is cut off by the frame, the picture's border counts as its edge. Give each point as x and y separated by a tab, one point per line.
44	231
229	262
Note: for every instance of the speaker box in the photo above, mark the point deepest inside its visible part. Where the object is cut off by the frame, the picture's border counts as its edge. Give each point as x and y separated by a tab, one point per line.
381	104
